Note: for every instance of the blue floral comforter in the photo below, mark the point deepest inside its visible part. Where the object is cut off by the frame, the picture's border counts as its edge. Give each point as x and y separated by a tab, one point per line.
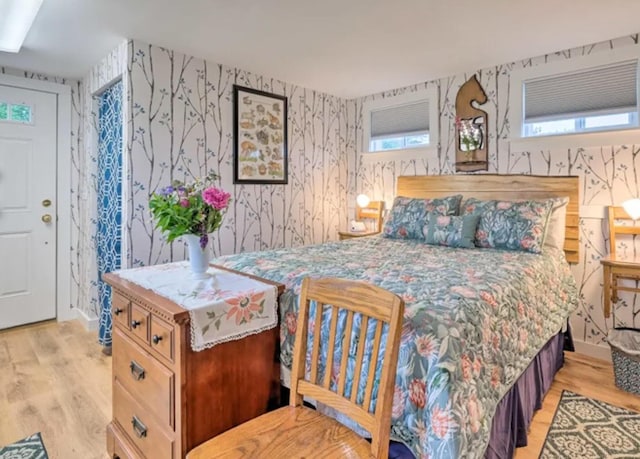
474	319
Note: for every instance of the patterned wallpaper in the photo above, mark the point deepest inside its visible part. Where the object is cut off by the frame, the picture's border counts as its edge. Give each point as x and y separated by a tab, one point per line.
609	174
181	127
179	124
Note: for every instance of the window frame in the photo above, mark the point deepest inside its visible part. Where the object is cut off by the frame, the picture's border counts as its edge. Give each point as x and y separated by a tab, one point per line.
428	94
596	137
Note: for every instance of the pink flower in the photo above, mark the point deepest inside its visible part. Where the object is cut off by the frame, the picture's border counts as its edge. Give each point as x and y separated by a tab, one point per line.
466	367
417	393
474	413
216	198
184	202
495	377
443	220
425	345
489	298
477	367
291	322
441	422
398	403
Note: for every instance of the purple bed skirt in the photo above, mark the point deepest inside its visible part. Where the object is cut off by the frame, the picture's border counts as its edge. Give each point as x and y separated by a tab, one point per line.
515	410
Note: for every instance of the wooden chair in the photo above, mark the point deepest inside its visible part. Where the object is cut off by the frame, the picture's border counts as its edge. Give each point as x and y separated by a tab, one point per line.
372	211
616	267
297	431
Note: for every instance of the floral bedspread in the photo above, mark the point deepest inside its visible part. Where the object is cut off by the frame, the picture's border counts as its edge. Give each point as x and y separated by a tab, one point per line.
474	319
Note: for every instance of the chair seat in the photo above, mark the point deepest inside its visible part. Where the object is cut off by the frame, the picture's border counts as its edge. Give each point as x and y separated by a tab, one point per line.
289	432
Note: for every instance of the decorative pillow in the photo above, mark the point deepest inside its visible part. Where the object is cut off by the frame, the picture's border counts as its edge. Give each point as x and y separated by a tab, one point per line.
452	231
514	225
473	206
557	224
408	216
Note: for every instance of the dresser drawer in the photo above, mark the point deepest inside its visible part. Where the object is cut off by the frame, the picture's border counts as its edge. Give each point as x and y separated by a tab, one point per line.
117	446
140	427
121	310
162	337
146	379
140	322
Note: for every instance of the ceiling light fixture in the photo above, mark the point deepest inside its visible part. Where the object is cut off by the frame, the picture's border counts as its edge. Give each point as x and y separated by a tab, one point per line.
16	18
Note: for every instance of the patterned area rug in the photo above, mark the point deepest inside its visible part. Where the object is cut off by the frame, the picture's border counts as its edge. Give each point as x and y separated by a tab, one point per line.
589	429
28	448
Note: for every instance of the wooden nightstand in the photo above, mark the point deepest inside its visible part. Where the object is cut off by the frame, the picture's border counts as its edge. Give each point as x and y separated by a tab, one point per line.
352	235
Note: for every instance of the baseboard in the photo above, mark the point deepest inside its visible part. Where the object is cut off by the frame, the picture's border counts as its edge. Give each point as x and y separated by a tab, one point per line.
598	351
90	323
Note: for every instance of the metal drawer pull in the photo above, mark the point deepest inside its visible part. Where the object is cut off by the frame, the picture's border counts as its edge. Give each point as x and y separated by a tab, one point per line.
138	427
136	370
135	323
117	311
156	339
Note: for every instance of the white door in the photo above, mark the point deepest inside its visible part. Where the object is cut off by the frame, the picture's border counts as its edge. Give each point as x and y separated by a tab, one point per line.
27	206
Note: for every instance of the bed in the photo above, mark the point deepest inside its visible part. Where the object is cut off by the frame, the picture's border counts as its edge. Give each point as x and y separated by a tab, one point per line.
482	330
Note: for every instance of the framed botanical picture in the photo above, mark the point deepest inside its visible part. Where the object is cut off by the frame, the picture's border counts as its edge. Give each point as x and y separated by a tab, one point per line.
260	137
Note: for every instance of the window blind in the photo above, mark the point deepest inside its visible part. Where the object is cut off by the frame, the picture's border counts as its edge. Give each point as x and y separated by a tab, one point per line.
596	90
401	119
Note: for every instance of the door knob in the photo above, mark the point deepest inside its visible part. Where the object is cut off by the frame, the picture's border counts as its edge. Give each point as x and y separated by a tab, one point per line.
46	218
46	203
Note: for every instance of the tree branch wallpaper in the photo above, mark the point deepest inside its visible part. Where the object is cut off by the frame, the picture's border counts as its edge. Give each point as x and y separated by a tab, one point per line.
179	123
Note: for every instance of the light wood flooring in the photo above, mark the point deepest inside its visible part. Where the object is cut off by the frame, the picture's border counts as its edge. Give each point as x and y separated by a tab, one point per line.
55	380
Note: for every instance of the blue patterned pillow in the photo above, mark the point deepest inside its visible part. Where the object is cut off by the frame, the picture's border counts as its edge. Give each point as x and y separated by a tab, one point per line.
473	206
514	225
408	216
452	231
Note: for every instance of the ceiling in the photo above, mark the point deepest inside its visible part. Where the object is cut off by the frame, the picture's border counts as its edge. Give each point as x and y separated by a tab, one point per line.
348	48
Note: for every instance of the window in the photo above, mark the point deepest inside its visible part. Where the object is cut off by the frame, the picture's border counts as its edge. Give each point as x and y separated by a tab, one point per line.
399	127
594	93
18	113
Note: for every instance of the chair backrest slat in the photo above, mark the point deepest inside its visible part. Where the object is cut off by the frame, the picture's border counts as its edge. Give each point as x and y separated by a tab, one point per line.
331	347
368	392
317	330
349	298
346	345
362	340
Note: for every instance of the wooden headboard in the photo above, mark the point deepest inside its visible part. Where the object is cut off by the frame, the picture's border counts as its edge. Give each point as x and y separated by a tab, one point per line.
504	187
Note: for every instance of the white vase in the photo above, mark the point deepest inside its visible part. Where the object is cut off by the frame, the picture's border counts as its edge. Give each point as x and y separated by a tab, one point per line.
198	257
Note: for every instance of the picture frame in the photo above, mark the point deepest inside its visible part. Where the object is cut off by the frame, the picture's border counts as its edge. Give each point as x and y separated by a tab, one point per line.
259	137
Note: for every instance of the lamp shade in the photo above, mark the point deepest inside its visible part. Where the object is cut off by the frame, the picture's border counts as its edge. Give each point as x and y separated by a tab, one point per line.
632	207
362	200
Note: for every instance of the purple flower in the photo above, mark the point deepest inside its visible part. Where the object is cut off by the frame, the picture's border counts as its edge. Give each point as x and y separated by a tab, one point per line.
167	190
216	198
204	240
184	202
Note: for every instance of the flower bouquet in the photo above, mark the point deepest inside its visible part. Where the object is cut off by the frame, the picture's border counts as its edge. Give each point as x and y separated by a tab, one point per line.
470	137
192	210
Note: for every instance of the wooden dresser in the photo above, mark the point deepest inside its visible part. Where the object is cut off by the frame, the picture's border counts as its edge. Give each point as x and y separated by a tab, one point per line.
167	399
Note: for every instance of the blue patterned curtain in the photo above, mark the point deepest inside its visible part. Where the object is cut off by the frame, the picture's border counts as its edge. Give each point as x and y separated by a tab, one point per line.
109	183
